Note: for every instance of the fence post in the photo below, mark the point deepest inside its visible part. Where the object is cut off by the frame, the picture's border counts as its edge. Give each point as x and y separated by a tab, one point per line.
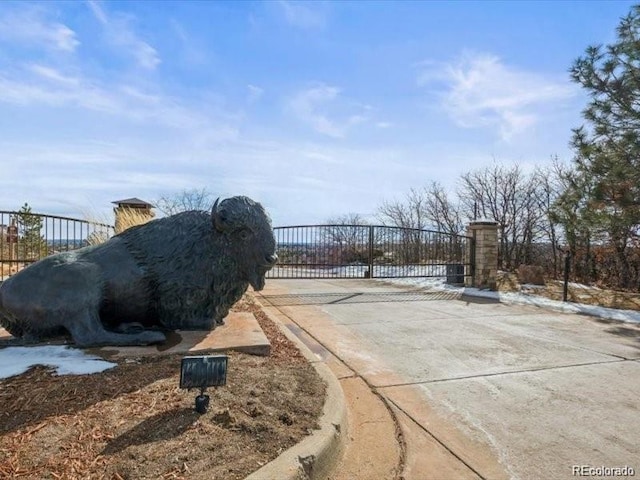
371	233
567	267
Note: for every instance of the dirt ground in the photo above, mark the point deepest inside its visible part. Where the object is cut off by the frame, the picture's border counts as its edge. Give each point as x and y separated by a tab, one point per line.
553	289
133	422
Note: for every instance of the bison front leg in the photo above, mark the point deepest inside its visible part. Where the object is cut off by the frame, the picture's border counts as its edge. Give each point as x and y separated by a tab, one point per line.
87	331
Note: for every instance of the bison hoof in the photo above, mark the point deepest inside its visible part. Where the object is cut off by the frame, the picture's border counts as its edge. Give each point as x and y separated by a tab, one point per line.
150	337
133	327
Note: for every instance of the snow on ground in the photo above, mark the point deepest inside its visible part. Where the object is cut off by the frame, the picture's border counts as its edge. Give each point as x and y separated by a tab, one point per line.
518	298
66	361
438	279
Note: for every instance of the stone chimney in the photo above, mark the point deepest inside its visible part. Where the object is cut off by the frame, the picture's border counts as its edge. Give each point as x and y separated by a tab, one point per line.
130	212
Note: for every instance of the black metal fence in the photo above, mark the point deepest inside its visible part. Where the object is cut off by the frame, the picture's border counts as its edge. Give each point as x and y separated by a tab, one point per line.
307	251
367	251
27	237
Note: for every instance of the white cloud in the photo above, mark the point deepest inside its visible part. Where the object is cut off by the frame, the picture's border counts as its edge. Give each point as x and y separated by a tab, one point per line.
193	51
254	93
306	15
101	172
52	88
32	27
322	107
53	74
481	91
306	105
120	33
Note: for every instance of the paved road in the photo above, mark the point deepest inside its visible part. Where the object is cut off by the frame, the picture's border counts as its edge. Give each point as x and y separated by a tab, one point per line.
497	391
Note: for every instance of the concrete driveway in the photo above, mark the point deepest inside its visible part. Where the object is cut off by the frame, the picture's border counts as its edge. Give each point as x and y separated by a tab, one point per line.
489	390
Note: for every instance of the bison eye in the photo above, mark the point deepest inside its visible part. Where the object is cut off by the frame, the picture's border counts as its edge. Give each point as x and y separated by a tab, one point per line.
244	234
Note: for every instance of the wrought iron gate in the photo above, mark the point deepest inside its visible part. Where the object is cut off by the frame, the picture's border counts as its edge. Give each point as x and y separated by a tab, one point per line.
305	251
369	251
27	237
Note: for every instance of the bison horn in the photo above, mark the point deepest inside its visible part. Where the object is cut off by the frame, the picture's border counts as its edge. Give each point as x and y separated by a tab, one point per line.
217	218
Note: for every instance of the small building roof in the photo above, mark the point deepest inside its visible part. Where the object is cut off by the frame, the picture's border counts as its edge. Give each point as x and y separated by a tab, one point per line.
136	202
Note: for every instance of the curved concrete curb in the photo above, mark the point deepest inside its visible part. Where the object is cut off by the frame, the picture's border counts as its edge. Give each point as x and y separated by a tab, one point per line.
317	456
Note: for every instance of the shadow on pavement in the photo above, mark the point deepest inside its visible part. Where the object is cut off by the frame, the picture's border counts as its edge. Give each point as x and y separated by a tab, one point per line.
358	297
620	329
478	300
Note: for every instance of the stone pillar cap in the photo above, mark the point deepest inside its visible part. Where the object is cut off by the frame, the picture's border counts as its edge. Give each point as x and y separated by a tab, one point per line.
484	222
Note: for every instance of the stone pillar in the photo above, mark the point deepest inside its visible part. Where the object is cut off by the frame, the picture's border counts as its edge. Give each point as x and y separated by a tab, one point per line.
485	235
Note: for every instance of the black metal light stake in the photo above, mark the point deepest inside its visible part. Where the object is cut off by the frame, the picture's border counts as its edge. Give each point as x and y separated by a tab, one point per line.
201	372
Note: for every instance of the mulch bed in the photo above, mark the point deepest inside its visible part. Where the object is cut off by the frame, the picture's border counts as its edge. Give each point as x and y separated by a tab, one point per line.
133	422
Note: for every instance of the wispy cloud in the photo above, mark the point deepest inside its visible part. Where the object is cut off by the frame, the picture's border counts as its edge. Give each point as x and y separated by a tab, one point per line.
482	91
49	73
322	107
193	51
306	15
42	85
120	33
32	26
254	93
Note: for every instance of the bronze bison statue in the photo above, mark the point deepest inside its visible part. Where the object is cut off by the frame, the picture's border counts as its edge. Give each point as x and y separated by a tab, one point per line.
180	272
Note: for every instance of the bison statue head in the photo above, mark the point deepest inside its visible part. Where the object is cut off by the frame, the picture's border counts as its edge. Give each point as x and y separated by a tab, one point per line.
249	234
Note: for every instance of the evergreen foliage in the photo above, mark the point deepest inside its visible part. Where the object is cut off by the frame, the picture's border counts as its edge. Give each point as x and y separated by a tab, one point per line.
602	202
31	244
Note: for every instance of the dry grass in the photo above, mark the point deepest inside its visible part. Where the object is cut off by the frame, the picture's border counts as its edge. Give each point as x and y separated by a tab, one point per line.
126	218
553	289
130	217
97	236
10	268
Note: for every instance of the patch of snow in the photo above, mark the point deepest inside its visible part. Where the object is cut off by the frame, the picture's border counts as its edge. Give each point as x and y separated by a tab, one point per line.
436	283
65	361
531	285
583	286
358	271
518	298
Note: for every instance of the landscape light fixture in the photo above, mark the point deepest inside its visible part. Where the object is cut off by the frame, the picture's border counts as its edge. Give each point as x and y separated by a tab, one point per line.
201	372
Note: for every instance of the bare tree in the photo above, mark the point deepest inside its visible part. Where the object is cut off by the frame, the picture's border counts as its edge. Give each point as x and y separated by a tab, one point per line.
412	216
510	197
550	185
194	199
350	234
410	213
344	230
572	211
443	214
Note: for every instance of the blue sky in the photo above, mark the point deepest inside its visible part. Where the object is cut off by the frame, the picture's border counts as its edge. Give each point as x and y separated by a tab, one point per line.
315	109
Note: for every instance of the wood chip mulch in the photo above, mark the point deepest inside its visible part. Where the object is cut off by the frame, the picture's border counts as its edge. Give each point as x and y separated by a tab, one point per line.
133	422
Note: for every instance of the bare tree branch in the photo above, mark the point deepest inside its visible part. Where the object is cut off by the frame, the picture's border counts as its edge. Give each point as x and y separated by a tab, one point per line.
186	200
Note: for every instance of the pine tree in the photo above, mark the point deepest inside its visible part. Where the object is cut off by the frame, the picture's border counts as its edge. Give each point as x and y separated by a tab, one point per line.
31	244
607	148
